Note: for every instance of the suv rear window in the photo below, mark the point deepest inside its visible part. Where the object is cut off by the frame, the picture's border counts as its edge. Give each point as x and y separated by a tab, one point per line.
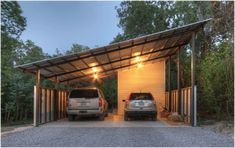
141	96
84	93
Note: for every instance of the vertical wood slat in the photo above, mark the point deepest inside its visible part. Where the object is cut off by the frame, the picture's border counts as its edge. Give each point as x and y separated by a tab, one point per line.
59	102
40	106
182	103
176	101
48	108
62	104
186	105
35	115
48	104
185	102
55	104
52	105
167	100
43	106
65	104
189	105
58	105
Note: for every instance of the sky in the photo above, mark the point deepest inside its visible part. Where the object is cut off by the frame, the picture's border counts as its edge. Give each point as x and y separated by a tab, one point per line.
52	25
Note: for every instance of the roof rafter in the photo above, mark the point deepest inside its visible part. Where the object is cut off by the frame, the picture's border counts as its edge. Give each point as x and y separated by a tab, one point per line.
118	60
116	68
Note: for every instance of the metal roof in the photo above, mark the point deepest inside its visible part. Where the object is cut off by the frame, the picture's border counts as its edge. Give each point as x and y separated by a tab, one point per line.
107	60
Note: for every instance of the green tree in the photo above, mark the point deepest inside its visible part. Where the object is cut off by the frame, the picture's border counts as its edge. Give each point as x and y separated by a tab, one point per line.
142	17
12	25
12	22
76	48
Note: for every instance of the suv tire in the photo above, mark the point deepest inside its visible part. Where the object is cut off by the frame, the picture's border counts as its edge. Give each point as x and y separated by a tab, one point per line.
154	118
125	117
71	117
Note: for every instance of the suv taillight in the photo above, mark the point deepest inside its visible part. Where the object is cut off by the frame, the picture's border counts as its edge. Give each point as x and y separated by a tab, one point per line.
100	102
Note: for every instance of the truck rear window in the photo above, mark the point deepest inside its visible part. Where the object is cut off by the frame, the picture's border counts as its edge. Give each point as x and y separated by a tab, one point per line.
84	93
141	96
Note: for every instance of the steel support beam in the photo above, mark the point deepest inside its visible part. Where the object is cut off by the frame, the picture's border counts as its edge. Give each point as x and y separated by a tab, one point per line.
193	100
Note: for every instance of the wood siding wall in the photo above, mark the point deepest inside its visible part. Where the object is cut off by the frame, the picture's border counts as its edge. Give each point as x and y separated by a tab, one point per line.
149	78
52	104
185	102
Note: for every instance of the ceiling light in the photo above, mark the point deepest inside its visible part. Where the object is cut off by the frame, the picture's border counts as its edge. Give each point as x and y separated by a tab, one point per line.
95	76
137	59
139	65
136	54
94	69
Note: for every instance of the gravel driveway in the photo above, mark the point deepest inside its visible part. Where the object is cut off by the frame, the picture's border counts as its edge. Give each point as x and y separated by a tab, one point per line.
115	133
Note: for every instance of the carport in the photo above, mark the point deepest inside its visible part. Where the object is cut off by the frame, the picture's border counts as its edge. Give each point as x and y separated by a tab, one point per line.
97	64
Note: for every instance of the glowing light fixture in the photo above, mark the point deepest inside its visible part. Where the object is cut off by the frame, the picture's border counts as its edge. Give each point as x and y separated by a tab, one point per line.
94	69
95	76
137	59
139	65
136	54
93	64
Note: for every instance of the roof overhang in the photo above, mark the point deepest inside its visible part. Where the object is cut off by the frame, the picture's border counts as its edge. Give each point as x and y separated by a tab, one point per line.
107	60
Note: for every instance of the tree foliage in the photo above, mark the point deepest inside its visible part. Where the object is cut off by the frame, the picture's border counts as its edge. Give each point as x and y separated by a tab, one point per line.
12	22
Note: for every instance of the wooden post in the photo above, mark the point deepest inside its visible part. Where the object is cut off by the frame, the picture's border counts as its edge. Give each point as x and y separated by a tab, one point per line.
193	114
37	99
169	83
178	81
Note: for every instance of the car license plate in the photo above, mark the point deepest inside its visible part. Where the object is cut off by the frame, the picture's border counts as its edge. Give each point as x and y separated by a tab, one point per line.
83	103
141	103
83	111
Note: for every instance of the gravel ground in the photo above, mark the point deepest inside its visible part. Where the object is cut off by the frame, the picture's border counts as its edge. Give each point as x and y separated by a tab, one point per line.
78	134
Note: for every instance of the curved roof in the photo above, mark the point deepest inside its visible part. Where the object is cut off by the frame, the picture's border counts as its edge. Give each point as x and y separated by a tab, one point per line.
107	60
